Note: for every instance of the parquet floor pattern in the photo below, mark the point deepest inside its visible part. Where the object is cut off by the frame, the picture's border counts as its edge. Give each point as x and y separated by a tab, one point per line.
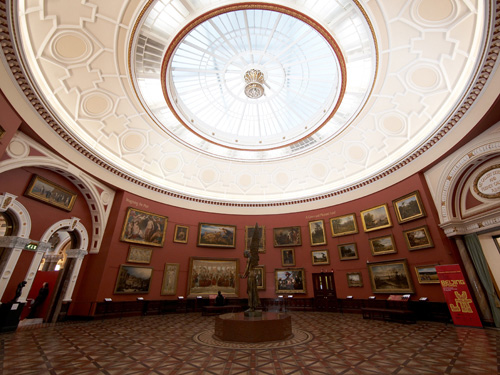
342	344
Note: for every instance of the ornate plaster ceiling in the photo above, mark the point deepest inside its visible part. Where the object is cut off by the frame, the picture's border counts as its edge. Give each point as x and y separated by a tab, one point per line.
400	70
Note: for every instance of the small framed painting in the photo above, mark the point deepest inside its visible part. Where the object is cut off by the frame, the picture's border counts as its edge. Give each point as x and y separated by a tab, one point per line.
348	251
249	229
290	280
376	218
382	245
49	192
409	207
170	276
138	254
287	257
344	225
354	280
427	274
133	279
317	233
320	257
287	236
260	277
418	238
181	233
217	235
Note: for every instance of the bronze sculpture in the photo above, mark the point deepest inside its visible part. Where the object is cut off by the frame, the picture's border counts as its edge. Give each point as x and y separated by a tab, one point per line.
252	256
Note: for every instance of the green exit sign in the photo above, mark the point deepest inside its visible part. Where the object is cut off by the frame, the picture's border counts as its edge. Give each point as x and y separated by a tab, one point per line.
31	246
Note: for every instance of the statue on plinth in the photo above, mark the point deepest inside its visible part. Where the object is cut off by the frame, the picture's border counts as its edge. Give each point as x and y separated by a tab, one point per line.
252	256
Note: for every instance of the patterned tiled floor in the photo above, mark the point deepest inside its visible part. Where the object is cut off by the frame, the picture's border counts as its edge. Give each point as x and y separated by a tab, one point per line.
165	344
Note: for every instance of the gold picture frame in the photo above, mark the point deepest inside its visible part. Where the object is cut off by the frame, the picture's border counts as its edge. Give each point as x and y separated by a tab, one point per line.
418	238
391	277
409	207
290	281
181	233
170	279
320	257
348	251
287	236
287	257
317	233
133	279
344	225
427	274
48	192
260	277
144	228
383	245
138	254
208	276
216	235
354	280
249	234
376	218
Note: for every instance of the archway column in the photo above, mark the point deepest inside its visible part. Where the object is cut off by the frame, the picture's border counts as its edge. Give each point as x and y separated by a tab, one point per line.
75	259
474	280
13	246
51	261
42	248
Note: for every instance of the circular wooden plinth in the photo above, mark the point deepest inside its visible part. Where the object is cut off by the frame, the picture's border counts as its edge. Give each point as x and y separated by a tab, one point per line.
238	327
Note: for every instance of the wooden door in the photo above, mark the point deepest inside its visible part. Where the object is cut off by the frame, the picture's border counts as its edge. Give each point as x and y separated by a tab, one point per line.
325	296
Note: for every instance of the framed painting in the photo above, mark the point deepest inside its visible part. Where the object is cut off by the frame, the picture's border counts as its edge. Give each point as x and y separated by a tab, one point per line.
181	233
344	225
354	280
390	277
216	235
249	229
376	218
144	228
210	275
287	236
290	280
409	207
320	257
382	245
170	277
287	257
139	255
427	274
133	279
348	251
51	193
418	238
317	233
260	277
496	240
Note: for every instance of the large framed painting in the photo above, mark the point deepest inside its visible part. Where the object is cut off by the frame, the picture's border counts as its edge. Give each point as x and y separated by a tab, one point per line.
216	235
287	257
320	257
427	274
287	236
382	245
317	233
51	193
249	229
390	277
181	233
170	277
260	277
138	254
354	280
376	218
409	207
418	238
133	279
348	251
144	228
344	225
290	280
210	275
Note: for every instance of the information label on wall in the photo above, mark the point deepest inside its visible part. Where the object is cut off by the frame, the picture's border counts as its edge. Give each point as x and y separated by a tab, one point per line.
457	295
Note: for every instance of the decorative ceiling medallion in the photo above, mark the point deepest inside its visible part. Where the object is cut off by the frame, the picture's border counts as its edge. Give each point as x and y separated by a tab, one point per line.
487	183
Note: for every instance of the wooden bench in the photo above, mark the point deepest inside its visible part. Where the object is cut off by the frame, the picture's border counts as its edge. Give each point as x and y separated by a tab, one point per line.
217	310
394	309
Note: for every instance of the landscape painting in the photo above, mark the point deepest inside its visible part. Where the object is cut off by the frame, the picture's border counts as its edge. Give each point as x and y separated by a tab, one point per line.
390	277
216	235
376	218
348	251
409	207
287	236
344	225
133	279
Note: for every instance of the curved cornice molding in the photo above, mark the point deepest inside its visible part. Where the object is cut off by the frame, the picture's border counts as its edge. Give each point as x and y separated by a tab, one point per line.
484	72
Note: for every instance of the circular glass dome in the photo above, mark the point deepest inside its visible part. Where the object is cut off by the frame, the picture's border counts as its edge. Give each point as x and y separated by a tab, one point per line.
254	79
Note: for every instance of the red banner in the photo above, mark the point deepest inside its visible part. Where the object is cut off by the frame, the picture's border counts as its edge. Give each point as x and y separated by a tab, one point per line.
457	295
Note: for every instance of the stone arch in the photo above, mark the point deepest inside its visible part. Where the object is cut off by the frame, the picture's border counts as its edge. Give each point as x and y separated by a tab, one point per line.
10	205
